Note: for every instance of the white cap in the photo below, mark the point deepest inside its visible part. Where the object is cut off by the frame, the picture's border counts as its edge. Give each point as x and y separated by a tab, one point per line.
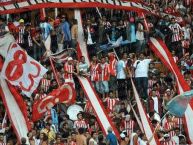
70	58
166	135
122	135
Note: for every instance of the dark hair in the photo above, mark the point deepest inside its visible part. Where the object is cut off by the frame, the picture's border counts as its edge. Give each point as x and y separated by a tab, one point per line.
92	133
74	21
81	130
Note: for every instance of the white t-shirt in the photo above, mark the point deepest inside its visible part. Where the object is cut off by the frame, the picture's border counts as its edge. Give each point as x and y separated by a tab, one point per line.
141	67
142	142
139	34
120	70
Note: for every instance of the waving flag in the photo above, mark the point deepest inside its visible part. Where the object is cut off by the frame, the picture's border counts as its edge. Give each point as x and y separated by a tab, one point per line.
144	119
178	105
161	50
22	70
65	94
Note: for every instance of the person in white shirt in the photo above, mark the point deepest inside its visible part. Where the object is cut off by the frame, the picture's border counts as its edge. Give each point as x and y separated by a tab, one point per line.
140	37
141	67
121	77
93	139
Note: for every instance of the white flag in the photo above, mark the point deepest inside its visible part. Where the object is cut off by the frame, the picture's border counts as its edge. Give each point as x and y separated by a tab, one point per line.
21	70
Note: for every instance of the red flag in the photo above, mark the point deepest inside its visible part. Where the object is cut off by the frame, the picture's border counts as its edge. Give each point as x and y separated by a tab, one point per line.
65	94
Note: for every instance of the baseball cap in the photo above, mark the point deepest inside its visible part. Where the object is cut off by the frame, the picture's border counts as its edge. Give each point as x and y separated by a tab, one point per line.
70	58
21	21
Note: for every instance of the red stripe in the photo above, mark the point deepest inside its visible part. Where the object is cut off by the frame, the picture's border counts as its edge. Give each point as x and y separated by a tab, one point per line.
101	105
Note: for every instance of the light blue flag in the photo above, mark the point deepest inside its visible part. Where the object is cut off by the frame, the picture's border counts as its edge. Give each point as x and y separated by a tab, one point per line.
178	105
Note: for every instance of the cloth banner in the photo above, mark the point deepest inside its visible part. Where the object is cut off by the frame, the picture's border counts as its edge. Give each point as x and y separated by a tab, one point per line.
15	114
102	116
21	70
65	94
144	119
82	49
161	50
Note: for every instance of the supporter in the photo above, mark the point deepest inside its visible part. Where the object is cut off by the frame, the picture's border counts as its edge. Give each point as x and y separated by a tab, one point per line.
90	38
74	32
48	131
176	37
46	29
140	37
66	32
20	33
80	138
141	67
80	122
155	103
121	77
101	140
23	141
104	77
93	139
111	138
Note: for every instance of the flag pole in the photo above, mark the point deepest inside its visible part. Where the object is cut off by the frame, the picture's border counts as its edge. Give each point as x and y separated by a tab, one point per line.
54	71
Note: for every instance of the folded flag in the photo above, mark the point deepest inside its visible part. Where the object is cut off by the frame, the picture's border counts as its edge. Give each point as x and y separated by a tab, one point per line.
178	105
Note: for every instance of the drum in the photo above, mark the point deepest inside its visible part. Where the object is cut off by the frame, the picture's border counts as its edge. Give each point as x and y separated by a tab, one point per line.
73	110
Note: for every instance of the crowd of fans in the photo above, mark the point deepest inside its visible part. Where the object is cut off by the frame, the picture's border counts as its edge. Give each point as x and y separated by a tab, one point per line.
108	34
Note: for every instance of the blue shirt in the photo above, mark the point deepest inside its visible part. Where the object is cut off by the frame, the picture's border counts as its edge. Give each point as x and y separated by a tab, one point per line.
112	139
46	29
133	35
66	31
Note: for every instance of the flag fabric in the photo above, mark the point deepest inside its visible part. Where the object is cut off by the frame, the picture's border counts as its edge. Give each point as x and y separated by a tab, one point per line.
178	105
101	114
15	114
161	50
147	127
82	49
60	56
21	70
64	94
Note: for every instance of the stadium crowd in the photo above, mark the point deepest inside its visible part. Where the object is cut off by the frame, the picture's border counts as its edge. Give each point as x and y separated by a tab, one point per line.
109	34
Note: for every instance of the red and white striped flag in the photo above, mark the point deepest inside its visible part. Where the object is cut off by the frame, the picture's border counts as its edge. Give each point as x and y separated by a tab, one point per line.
144	119
161	50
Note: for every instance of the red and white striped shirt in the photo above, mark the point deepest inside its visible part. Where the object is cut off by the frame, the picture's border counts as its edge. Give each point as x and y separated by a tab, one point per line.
105	72
128	126
2	143
176	30
69	68
21	30
170	142
94	72
111	102
72	143
168	126
80	124
45	83
88	107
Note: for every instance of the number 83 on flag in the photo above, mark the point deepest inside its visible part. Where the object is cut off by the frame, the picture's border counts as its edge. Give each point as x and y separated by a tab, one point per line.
21	70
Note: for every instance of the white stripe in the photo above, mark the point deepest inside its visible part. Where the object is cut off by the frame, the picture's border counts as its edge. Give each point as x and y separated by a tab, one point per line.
163	53
146	125
96	105
16	115
23	4
81	36
8	7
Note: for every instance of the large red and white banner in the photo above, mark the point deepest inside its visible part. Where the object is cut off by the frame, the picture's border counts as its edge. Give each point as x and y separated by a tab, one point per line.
64	94
102	116
19	122
21	70
161	50
147	127
82	49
